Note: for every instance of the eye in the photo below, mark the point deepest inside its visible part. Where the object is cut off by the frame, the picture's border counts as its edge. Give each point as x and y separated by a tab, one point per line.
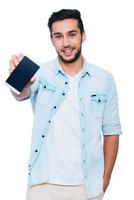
72	35
57	37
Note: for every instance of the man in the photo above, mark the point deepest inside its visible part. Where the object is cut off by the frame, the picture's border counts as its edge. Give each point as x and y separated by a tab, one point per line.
75	106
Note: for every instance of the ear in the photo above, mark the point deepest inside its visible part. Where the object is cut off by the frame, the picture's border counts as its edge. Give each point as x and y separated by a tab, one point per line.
83	36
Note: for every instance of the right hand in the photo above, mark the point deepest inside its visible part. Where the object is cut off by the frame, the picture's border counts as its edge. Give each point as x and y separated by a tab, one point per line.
14	61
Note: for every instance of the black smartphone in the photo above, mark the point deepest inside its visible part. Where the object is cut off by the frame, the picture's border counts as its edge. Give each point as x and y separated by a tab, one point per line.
22	74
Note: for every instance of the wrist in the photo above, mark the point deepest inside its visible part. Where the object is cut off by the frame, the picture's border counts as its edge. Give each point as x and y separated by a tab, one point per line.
105	183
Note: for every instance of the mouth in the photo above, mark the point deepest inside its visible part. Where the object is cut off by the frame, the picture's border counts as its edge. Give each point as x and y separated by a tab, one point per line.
67	51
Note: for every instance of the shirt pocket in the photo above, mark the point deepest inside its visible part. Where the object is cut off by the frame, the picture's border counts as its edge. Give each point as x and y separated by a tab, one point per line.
97	105
46	94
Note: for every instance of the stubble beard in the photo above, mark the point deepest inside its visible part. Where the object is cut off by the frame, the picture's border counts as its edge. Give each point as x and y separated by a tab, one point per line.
72	60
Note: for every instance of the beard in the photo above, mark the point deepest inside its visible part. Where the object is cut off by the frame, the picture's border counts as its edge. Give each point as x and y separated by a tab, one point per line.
76	57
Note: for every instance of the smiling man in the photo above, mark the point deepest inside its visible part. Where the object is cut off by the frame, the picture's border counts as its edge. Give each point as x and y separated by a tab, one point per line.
76	121
67	40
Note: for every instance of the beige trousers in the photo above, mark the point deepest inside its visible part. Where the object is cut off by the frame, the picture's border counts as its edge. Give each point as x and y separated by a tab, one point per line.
58	192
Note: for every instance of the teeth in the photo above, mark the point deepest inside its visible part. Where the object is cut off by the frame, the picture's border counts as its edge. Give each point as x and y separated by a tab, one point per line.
67	50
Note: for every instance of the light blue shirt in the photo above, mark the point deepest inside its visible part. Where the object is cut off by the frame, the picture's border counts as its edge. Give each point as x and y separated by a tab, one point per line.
99	116
64	140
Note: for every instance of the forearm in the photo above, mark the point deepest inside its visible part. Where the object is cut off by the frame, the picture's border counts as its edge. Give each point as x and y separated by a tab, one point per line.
111	144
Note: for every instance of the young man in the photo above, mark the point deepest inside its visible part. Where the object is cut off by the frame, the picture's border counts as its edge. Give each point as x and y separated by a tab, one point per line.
75	105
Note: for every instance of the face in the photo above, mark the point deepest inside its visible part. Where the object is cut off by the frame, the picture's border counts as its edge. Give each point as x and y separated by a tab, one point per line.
67	40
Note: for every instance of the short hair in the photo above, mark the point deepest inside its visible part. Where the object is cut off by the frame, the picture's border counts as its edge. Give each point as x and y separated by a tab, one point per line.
66	14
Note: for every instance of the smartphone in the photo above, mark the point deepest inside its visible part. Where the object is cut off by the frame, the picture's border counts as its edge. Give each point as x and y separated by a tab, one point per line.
22	74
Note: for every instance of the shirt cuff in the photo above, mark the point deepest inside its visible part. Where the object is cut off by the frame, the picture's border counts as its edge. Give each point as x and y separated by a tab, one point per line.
112	133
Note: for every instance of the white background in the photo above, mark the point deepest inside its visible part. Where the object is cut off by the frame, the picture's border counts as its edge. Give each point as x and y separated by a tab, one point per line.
110	44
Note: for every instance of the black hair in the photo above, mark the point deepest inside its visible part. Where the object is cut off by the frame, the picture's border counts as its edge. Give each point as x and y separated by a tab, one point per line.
66	14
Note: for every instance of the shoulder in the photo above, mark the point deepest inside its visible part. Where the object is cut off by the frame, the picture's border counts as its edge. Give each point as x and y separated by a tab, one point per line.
99	73
101	76
48	66
46	71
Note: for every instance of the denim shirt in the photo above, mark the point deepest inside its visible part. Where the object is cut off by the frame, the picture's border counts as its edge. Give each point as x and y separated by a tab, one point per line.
99	116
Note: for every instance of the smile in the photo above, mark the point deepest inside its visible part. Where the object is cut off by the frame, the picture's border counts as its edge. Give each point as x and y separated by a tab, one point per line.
67	52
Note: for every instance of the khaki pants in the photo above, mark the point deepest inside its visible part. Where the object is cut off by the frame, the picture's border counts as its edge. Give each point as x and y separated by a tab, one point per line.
58	192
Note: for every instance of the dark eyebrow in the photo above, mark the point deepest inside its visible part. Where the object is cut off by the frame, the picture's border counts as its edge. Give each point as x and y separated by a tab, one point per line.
59	33
72	31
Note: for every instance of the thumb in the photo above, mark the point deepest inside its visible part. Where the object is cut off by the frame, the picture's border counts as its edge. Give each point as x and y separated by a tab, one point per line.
32	80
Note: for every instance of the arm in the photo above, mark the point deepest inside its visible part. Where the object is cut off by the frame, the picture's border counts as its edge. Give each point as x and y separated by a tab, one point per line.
111	143
111	130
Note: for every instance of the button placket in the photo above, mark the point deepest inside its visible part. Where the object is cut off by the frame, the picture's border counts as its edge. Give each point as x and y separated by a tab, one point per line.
53	110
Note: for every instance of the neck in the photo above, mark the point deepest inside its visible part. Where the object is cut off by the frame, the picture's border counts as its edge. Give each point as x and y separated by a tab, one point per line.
72	68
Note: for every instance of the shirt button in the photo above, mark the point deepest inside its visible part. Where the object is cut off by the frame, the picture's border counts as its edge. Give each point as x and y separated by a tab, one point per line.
99	100
83	145
82	114
84	161
65	83
83	129
43	136
85	177
54	107
29	165
63	94
29	173
36	150
49	121
45	86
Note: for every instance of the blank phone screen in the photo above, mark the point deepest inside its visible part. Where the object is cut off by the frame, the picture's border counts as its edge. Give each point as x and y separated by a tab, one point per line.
22	74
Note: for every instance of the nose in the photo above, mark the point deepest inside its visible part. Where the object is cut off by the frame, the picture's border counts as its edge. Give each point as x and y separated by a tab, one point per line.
66	41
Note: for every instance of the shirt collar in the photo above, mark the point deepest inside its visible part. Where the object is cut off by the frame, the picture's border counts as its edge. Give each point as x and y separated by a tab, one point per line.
58	69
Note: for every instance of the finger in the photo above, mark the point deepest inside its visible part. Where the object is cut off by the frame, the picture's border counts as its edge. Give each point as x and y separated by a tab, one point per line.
31	82
15	60
20	56
32	79
12	67
11	64
11	70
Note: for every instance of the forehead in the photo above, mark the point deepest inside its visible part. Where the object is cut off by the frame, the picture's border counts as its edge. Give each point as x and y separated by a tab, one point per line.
64	26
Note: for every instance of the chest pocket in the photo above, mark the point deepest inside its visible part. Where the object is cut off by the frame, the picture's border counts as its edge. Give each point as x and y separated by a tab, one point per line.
97	105
46	94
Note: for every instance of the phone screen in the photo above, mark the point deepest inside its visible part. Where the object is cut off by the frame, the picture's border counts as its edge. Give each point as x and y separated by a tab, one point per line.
22	74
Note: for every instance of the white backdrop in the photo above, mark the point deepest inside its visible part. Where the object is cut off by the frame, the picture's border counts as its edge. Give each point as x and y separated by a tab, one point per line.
110	44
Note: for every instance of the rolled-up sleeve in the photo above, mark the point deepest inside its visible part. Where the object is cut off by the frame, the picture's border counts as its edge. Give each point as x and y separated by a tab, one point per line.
111	120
